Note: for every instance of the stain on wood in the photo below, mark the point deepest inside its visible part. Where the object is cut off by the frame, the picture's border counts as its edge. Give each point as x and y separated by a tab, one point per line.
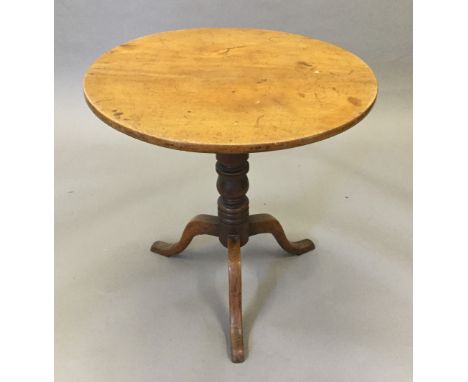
355	101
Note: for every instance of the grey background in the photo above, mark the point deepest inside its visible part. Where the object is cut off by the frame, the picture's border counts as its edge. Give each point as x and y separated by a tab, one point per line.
340	313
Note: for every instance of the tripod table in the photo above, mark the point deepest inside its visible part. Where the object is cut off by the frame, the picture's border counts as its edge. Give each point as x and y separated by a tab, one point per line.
231	92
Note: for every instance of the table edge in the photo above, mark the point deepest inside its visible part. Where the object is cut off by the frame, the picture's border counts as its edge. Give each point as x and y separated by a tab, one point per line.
228	149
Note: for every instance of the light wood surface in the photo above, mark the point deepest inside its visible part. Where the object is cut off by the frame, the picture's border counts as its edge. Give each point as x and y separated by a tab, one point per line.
224	90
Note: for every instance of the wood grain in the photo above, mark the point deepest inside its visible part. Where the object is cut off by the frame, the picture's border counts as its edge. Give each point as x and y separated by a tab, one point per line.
224	90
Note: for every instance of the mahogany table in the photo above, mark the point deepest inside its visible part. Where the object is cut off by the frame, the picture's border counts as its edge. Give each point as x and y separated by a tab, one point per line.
230	92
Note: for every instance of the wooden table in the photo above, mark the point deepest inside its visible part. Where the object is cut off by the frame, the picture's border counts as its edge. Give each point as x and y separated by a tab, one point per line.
230	92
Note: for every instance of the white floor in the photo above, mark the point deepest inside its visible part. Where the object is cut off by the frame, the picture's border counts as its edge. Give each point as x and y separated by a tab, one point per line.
340	313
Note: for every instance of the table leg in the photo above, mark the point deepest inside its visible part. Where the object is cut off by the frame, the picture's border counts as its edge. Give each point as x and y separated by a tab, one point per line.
199	225
265	223
235	299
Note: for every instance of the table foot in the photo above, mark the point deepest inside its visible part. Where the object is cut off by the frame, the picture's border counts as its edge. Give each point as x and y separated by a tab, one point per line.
265	223
199	225
235	299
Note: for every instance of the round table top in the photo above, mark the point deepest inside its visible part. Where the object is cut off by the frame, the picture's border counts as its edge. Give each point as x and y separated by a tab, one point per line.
229	90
